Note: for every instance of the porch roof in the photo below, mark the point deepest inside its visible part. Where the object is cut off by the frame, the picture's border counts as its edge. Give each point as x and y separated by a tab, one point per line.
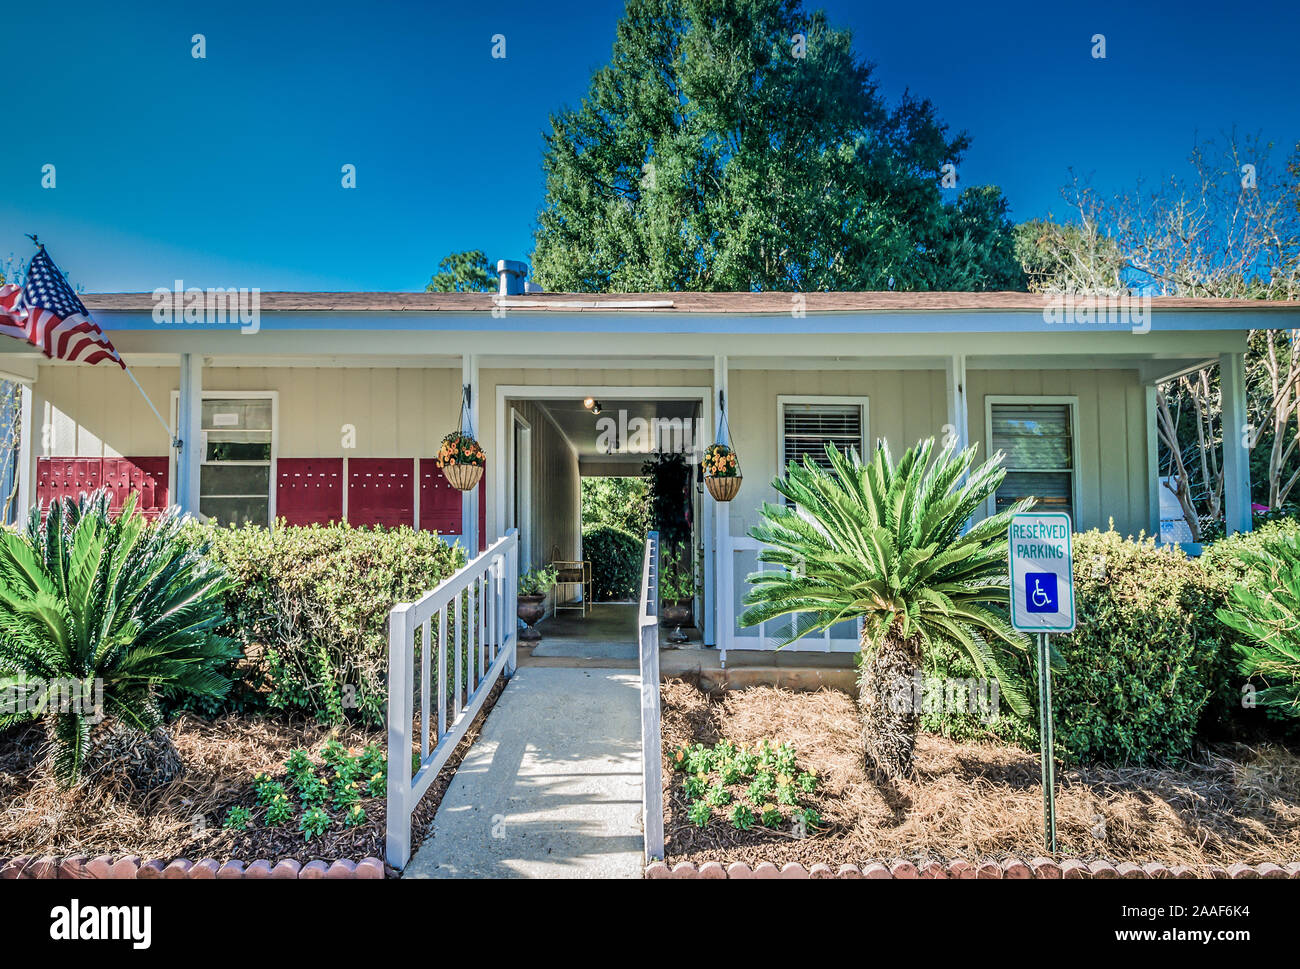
777	303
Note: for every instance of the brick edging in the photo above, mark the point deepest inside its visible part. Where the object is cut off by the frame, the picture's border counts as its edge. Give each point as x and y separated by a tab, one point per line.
132	866
1011	868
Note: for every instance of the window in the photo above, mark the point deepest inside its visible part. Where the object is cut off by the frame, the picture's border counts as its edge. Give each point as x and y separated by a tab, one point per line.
808	424
235	479
1037	437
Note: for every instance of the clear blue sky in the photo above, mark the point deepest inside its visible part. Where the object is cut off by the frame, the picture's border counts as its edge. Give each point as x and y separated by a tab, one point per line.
226	171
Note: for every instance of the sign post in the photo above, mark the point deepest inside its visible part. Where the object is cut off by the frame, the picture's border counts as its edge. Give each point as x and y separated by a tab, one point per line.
1042	602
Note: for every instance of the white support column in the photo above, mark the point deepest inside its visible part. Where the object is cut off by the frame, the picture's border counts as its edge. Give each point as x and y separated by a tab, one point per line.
1153	459
469	419
28	449
1236	455
724	610
189	428
958	410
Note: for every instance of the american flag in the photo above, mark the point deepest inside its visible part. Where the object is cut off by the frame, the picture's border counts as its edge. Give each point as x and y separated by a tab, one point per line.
46	313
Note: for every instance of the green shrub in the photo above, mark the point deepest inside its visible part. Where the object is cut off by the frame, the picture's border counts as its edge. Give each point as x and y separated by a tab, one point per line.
99	614
310	605
1265	608
1148	667
615	557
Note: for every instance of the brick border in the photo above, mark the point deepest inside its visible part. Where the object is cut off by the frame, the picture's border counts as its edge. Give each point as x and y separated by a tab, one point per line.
1010	868
132	866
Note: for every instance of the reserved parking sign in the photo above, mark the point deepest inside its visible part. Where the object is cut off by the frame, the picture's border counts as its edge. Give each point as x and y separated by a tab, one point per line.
1042	581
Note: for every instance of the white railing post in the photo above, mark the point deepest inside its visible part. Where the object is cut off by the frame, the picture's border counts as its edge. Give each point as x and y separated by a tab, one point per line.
476	612
400	663
652	798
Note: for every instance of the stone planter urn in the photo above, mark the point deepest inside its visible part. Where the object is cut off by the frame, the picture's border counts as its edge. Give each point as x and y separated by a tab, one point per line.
531	609
676	613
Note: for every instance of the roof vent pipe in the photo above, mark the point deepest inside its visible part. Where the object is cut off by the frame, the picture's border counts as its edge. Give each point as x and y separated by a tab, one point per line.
512	275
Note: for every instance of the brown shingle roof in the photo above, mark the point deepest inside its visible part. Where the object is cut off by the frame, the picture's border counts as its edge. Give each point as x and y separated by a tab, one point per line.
748	303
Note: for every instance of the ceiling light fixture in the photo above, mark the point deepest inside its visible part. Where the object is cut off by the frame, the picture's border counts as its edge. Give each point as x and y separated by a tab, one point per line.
592	404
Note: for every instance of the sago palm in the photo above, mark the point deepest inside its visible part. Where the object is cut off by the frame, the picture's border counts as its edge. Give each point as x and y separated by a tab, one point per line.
93	605
884	544
1265	608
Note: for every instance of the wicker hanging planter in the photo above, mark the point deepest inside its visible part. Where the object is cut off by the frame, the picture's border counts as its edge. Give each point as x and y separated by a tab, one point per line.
722	472
461	457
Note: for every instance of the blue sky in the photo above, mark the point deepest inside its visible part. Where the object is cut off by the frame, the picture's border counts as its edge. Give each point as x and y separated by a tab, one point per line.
226	171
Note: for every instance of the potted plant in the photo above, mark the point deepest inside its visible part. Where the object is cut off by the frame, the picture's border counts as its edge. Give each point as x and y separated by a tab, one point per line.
676	600
533	586
462	460
722	472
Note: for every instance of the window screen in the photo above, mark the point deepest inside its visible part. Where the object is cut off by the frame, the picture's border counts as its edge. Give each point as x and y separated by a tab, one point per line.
1038	443
235	478
809	427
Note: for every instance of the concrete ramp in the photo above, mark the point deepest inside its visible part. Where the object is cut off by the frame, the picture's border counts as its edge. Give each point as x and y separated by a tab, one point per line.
552	787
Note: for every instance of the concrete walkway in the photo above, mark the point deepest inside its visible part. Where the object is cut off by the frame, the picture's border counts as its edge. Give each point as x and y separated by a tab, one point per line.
552	787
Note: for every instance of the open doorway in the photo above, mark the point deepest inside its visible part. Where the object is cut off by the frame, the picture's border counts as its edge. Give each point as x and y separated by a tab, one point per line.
618	440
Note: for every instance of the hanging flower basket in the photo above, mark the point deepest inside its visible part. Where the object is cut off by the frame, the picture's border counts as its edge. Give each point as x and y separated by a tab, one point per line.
462	460
722	472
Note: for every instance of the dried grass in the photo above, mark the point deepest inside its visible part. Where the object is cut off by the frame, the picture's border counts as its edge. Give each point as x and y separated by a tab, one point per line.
975	801
183	818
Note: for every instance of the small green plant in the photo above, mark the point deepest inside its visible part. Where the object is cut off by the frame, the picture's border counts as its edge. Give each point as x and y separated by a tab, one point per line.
807	818
315	822
372	759
266	789
312	791
746	762
807	781
770	816
786	794
237	819
299	766
742	818
346	794
377	786
681	758
700	813
783	759
700	759
718	796
538	581
729	773
695	785
279	810
761	788
355	815
334	753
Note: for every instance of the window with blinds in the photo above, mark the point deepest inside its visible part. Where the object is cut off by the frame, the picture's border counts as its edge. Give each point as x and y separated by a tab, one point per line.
808	427
1038	442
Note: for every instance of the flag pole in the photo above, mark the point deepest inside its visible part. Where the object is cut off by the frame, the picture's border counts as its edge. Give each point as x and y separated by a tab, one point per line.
176	441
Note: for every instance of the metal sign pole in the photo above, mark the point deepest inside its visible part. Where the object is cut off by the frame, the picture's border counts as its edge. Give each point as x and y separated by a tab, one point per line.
1047	741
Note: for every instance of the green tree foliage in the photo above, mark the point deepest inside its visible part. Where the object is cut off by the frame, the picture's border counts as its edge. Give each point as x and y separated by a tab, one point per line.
463	272
615	557
86	597
1265	609
719	151
884	543
615	503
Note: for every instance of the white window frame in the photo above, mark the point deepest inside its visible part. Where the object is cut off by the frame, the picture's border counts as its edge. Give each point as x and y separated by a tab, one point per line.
990	400
274	397
782	399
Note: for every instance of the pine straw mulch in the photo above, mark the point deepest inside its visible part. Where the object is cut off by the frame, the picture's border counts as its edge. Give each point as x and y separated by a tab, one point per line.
976	801
182	819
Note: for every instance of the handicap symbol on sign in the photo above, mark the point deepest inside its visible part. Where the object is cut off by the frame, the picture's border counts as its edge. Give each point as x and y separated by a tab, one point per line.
1040	592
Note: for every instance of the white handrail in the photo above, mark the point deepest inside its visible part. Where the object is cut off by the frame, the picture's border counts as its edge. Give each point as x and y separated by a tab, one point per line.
652	797
472	612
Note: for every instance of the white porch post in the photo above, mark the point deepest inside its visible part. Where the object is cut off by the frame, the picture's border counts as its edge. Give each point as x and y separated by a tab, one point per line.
27	451
958	411
1153	459
724	592
470	499
189	428
1236	455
